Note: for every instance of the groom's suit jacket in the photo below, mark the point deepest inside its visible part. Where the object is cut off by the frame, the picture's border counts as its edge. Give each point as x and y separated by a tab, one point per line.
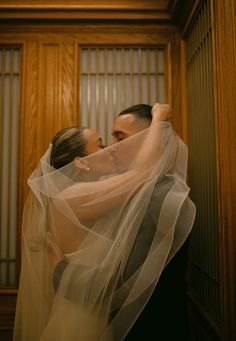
165	314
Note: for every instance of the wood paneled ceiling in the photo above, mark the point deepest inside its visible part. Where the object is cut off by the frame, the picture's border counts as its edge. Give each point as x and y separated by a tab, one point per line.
161	11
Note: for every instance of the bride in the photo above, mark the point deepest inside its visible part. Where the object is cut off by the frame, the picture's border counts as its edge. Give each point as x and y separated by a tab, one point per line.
92	201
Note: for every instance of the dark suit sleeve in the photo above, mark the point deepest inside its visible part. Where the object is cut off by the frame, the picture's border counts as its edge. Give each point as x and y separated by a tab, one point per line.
58	272
147	228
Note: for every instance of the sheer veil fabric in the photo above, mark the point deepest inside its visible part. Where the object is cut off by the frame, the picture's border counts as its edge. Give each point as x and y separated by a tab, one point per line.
119	216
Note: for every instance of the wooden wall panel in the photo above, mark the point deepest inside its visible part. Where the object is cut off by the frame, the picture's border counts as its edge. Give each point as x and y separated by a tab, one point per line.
49	99
69	84
49	106
29	110
178	87
224	51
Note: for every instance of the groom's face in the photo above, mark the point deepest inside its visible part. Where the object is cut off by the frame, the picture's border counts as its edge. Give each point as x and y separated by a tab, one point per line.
126	126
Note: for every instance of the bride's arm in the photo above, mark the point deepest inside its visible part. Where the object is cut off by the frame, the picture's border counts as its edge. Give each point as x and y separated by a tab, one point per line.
102	195
151	147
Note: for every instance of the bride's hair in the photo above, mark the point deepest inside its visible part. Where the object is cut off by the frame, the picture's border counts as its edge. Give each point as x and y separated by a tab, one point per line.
67	144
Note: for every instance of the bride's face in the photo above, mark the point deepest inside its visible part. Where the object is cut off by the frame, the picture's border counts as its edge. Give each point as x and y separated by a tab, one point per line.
98	164
94	141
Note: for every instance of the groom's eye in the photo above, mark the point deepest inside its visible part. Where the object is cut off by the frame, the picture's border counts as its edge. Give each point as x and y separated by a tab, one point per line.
118	136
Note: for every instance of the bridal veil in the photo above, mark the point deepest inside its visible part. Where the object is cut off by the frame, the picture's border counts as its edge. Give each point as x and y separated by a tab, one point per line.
119	216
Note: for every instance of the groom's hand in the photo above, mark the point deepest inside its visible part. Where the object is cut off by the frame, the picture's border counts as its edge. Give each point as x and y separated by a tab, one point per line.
161	112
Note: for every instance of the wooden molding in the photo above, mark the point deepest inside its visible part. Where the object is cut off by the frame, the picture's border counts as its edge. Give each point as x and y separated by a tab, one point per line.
177	12
183	13
7	313
83	15
85	10
86	4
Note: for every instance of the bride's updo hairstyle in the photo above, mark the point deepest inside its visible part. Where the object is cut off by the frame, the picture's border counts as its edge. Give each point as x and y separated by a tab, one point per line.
67	144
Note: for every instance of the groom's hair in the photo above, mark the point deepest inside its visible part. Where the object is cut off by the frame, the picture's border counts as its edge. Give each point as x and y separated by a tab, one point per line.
143	112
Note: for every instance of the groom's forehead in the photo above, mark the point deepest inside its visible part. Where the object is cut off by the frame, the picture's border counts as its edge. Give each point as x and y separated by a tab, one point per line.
127	125
124	122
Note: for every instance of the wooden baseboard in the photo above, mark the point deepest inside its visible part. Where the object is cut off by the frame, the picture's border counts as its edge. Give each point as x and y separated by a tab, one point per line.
7	314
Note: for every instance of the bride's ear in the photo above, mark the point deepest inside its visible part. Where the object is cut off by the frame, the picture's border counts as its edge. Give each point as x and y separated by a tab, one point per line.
80	163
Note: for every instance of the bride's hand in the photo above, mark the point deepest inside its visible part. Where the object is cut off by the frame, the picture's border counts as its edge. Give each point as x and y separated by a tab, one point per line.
161	112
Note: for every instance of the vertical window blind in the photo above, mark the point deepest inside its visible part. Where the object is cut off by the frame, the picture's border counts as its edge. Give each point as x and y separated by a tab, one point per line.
113	79
9	118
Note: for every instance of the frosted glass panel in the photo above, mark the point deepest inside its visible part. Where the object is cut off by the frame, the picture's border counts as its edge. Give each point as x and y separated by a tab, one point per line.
113	79
9	118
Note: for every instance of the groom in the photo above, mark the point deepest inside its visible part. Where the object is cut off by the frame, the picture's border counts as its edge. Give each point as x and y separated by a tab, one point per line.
165	314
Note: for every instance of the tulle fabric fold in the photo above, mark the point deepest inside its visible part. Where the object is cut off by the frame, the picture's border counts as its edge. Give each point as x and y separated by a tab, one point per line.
119	216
